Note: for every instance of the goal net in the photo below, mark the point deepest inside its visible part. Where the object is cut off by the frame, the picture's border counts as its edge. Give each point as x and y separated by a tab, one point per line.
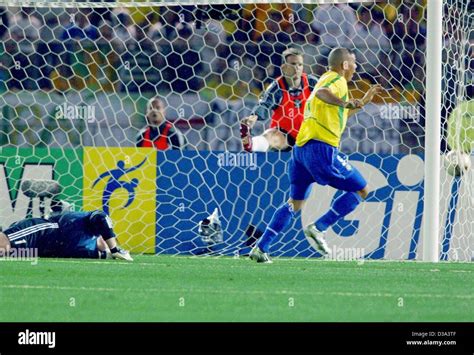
135	108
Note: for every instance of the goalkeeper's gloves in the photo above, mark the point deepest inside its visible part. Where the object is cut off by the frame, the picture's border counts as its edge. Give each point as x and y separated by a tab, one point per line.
245	136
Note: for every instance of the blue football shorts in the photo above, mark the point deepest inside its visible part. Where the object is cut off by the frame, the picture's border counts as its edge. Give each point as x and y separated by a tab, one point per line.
321	163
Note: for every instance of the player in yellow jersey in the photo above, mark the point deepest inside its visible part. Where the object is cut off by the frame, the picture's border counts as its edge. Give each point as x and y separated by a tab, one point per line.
316	156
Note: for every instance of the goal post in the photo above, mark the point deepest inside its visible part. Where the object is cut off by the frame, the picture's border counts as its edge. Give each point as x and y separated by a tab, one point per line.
433	131
78	87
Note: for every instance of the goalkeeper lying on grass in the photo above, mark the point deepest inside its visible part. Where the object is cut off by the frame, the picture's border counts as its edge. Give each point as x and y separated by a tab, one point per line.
66	235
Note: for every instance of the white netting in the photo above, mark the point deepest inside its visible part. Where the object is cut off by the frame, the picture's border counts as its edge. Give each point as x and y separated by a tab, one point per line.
457	179
76	80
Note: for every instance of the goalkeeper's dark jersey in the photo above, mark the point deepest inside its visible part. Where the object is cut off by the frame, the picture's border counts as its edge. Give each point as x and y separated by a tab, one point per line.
72	234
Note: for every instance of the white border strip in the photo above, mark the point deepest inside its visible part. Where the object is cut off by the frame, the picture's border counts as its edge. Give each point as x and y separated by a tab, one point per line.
72	4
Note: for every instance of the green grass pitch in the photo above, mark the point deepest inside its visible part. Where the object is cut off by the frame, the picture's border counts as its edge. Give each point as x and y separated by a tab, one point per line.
171	288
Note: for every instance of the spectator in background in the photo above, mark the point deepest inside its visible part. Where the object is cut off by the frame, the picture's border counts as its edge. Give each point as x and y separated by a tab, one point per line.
4	21
143	65
273	41
276	33
77	43
301	30
184	61
159	132
50	44
169	20
408	39
211	43
20	45
335	26
107	58
370	40
257	17
79	27
123	25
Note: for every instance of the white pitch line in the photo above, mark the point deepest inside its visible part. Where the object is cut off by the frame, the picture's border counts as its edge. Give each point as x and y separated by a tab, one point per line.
247	262
62	288
101	262
240	292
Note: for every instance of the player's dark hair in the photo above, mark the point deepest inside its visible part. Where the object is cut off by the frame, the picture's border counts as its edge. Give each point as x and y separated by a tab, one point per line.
291	51
337	56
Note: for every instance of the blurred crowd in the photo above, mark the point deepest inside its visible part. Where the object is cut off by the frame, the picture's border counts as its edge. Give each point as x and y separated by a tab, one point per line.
230	53
227	50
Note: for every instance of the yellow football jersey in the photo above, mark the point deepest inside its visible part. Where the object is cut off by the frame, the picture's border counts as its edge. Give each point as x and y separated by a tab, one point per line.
324	122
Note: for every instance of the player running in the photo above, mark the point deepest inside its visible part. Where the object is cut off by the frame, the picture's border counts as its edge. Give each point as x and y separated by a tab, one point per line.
316	156
66	235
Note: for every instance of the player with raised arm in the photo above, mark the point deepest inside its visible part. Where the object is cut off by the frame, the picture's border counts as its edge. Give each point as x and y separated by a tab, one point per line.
316	156
66	235
283	102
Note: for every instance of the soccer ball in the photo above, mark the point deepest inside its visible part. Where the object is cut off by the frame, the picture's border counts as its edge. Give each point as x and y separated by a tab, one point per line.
457	163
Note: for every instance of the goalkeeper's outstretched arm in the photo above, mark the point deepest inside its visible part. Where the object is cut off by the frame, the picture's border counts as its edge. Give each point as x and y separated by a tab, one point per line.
271	139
